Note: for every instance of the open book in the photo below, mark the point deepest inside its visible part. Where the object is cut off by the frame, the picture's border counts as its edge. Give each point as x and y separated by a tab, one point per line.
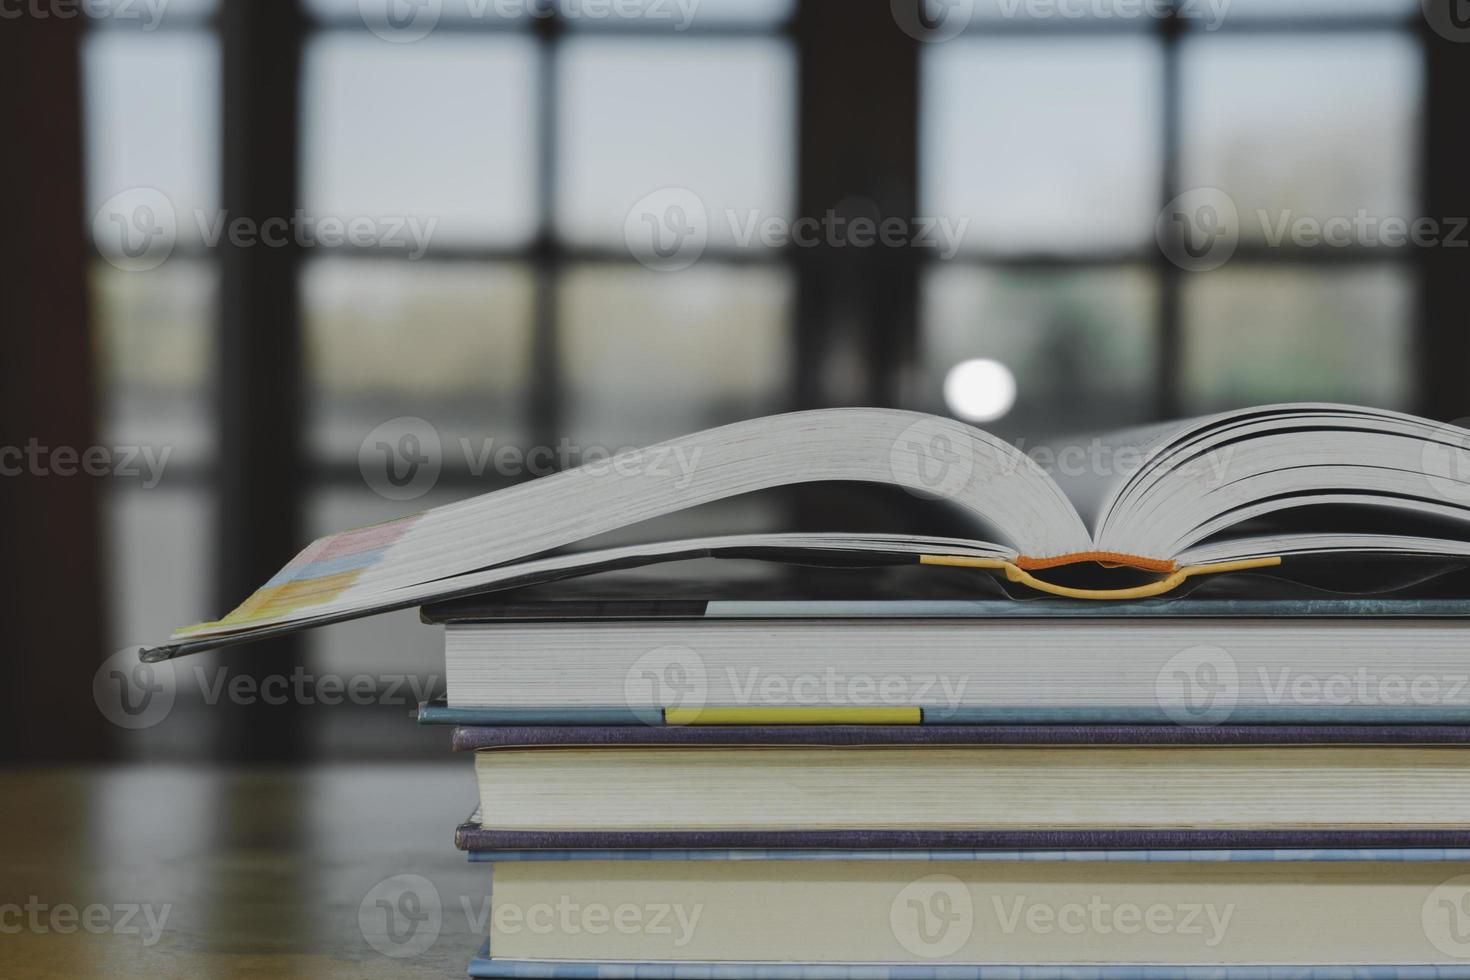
1170	502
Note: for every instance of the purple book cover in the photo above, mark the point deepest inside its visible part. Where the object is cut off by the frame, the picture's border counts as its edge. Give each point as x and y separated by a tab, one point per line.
470	738
473	837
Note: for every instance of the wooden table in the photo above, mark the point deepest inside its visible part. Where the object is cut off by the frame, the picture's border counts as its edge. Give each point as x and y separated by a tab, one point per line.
199	872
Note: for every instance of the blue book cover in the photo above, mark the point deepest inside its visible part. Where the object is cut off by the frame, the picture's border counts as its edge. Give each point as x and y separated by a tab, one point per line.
483	965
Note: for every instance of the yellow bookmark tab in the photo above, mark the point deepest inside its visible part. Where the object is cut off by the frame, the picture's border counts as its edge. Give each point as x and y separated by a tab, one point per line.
793	716
1163	585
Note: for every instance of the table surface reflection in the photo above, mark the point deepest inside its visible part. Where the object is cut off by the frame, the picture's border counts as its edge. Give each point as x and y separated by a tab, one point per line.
149	871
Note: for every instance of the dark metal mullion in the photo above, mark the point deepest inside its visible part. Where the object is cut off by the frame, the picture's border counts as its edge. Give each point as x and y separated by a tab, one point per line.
258	365
1443	303
554	23
1247	252
544	400
1168	399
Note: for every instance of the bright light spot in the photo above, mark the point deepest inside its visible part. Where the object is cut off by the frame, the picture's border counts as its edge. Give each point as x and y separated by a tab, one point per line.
981	390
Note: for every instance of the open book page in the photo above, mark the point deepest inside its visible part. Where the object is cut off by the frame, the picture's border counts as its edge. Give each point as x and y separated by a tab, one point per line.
1091	469
1213	476
362	569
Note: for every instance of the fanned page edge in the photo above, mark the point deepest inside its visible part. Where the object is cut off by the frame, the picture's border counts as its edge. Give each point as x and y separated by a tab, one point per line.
928	455
1219	455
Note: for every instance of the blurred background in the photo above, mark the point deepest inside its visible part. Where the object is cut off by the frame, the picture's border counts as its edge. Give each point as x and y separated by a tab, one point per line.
255	245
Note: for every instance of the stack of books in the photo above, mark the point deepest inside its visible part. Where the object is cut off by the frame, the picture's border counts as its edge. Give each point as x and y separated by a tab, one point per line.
1202	714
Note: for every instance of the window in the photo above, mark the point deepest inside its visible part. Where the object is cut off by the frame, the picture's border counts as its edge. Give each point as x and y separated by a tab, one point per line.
536	225
1061	138
524	320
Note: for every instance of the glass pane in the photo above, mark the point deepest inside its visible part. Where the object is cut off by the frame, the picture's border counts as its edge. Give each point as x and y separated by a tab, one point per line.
159	572
1258	335
678	15
454	168
1081	344
1020	138
1319	8
401	22
154	337
647	356
159	546
448	343
947	18
412	22
1300	127
151	108
723	134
